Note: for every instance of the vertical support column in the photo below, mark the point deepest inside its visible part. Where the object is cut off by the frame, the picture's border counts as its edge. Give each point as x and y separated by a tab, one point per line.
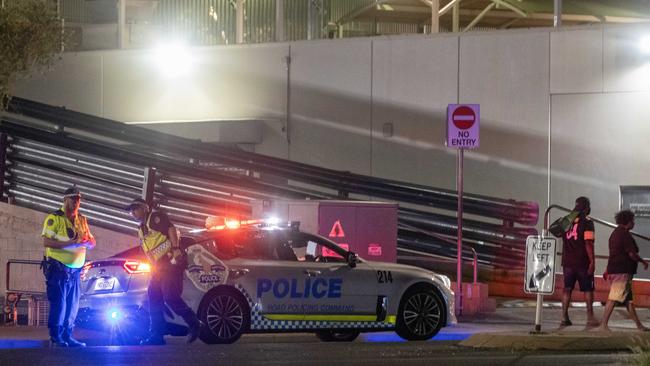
149	185
310	19
121	24
557	13
435	17
4	145
239	16
280	21
455	18
459	257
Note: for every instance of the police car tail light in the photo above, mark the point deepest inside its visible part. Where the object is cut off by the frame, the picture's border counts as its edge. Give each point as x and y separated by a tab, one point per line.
232	224
134	267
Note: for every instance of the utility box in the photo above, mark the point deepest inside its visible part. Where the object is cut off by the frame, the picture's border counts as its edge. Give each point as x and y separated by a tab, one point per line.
366	228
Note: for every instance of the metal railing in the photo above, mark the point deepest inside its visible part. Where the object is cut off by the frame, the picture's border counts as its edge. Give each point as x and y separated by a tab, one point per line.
8	274
452	243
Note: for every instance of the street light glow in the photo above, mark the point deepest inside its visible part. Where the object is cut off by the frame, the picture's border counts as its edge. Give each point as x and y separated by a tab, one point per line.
173	59
644	44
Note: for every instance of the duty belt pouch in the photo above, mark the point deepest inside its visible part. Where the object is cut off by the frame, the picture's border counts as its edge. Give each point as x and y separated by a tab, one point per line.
55	270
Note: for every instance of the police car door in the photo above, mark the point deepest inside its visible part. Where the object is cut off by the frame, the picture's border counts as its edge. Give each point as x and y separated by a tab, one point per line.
274	279
339	292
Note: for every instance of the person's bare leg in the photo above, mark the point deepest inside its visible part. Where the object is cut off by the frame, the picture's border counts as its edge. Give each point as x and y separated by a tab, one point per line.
609	308
591	319
566	300
632	311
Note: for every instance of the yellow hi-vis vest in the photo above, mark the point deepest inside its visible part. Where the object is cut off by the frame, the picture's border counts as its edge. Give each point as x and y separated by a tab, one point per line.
154	244
57	226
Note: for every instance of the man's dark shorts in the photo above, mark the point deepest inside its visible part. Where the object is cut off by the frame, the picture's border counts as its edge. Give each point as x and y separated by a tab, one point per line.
584	279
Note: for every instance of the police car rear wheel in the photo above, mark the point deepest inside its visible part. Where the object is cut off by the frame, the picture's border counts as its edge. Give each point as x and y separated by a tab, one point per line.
420	314
226	316
337	336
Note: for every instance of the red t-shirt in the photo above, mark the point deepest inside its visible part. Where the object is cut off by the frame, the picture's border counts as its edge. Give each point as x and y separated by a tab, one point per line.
621	243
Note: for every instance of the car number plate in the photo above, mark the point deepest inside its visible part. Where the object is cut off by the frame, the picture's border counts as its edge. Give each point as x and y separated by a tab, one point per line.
104	284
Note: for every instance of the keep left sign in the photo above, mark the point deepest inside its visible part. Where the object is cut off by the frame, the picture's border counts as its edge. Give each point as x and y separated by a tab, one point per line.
463	121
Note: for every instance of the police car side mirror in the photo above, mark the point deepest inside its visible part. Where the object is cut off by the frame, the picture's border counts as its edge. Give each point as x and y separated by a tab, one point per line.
352	259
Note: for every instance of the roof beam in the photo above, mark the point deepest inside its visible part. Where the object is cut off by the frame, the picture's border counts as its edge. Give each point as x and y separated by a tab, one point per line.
548	16
479	17
360	10
506	4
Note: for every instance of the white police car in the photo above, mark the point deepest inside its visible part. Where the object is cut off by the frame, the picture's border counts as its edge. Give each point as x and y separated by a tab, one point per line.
259	278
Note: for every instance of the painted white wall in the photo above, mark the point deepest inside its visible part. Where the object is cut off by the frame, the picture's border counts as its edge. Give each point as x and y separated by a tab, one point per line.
331	104
413	80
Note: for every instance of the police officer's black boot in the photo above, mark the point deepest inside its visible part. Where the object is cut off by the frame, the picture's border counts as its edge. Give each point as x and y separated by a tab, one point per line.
56	339
67	337
194	331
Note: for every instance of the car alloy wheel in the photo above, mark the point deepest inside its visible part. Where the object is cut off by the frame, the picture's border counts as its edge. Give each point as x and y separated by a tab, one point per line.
225	317
421	314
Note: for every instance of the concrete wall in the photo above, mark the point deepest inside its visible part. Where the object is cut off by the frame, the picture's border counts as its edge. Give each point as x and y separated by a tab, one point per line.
20	238
578	95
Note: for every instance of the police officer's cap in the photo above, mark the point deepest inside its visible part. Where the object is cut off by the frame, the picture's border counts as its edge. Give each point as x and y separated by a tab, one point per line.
138	202
72	192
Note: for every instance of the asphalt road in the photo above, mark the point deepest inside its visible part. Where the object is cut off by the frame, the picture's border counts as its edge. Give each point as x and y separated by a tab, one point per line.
299	350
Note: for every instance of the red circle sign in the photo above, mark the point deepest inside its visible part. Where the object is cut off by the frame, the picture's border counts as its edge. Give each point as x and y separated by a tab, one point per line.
463	117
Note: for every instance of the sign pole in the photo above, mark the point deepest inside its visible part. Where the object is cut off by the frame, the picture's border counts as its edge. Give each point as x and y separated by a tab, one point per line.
463	127
540	301
459	256
538	313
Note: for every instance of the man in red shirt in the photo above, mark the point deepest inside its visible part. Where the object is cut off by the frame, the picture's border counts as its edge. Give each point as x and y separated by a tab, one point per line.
621	267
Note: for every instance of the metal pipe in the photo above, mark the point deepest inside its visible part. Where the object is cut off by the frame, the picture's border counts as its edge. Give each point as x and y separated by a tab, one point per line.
239	25
58	189
557	13
73	167
594	219
114	189
459	233
280	22
3	160
71	155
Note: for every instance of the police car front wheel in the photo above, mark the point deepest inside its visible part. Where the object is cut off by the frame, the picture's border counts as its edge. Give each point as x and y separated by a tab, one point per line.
420	314
337	336
226	315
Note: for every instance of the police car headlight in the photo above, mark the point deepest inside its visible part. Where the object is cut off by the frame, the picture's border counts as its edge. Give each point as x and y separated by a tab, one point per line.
445	280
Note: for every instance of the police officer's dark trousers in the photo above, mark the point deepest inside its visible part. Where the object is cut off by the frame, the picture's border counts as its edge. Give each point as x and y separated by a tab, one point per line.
63	291
166	287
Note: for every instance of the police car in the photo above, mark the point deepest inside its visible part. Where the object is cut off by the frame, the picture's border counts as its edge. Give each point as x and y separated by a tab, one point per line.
245	277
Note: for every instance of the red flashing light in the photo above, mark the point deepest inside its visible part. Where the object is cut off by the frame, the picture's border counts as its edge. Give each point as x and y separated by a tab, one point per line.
134	267
222	223
232	224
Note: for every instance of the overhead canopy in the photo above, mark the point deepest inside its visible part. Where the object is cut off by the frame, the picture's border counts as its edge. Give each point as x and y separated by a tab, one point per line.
500	14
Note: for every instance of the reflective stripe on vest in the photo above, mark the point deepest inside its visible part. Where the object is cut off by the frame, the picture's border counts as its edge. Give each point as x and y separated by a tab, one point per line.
57	226
155	244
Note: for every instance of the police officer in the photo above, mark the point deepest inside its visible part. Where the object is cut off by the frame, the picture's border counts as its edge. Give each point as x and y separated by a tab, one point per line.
66	237
160	243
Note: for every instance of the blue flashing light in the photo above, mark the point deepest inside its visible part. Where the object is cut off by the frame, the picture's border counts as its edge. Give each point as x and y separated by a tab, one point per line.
114	315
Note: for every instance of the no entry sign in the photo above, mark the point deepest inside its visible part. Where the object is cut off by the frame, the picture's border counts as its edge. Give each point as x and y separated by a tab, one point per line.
463	126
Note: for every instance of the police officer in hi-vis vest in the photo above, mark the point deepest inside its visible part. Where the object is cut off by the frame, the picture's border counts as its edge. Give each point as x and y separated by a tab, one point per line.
66	237
160	243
